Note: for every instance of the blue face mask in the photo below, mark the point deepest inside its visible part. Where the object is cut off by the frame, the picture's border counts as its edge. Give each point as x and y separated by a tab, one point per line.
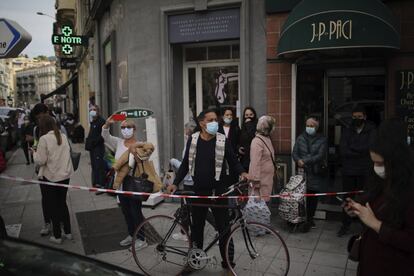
310	130
212	128
409	140
228	120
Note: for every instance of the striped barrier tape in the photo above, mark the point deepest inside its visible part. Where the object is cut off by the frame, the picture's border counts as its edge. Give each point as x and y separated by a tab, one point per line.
79	187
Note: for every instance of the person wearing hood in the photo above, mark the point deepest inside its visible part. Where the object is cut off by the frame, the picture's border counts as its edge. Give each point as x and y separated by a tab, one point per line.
247	133
309	153
95	145
354	151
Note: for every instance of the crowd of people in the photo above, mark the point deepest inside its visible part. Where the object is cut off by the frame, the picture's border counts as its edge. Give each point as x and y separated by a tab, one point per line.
219	153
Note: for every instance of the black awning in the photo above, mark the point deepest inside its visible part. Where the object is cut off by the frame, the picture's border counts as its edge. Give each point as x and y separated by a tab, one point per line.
331	24
61	90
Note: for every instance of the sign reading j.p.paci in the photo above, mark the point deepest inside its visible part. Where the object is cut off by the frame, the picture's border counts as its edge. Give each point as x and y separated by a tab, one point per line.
332	30
405	97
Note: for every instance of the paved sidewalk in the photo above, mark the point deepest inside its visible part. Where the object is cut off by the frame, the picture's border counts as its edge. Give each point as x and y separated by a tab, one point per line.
316	253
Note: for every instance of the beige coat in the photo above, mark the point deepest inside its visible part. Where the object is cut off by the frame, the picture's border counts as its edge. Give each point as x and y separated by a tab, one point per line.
261	167
122	167
53	160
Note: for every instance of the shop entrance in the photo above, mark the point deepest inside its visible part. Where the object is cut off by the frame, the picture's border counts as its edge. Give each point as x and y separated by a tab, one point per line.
331	96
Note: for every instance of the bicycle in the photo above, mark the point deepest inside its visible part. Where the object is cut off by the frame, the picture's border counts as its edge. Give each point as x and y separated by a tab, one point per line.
253	255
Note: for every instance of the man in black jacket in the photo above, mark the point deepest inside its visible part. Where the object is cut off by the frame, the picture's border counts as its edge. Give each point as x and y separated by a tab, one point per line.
95	145
206	157
356	162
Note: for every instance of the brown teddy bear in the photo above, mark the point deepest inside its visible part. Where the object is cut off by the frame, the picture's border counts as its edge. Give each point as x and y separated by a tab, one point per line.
141	152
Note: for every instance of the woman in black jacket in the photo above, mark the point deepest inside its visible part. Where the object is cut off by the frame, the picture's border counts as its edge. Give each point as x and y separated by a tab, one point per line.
247	133
387	207
229	126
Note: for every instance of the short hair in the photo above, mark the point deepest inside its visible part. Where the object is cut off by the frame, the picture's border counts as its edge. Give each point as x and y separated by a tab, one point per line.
203	114
130	123
359	108
265	125
38	109
314	118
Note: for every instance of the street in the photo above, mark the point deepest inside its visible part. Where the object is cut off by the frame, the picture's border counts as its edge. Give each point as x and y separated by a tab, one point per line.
98	225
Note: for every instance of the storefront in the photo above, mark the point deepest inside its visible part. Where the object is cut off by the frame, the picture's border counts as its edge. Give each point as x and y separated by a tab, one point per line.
325	57
183	57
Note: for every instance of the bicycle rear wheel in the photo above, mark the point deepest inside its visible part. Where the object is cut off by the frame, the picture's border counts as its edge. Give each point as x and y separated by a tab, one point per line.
163	255
257	255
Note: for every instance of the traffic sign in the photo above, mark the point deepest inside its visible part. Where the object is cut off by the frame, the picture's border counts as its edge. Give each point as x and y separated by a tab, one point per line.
13	38
134	113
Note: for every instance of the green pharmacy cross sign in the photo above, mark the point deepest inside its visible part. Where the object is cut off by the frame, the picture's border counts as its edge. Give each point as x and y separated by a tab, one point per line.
67	40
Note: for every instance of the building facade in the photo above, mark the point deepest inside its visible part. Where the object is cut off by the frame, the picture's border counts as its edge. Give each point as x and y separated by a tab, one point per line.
326	57
31	83
174	58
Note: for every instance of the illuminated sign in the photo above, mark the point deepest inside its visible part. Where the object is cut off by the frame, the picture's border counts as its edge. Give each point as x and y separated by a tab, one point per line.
136	113
67	40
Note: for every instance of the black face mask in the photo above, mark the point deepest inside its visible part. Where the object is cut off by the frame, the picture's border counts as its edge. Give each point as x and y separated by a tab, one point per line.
357	122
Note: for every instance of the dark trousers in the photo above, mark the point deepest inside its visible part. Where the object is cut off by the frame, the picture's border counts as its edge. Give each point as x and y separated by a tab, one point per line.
351	183
221	218
55	200
311	204
25	146
47	216
98	166
132	210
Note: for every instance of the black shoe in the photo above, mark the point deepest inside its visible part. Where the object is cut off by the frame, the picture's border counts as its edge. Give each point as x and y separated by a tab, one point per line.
312	224
27	163
343	231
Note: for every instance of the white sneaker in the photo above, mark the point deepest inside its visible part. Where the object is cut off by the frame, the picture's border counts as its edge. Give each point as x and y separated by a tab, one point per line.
67	236
55	240
139	245
126	242
179	237
45	230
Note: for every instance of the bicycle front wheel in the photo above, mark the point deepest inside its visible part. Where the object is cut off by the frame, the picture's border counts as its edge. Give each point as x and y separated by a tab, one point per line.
256	249
161	254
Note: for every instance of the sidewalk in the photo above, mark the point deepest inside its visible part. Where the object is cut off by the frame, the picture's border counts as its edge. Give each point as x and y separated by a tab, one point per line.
95	219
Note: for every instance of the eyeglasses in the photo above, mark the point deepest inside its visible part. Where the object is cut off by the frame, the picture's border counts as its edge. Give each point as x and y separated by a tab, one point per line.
124	127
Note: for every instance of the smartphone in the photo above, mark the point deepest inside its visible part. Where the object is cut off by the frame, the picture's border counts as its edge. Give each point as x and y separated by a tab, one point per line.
119	117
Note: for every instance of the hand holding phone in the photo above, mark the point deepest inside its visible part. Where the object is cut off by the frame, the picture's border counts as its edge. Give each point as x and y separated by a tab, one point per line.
118	117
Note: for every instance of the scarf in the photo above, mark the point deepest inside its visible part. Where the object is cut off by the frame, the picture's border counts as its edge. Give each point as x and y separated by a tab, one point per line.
220	148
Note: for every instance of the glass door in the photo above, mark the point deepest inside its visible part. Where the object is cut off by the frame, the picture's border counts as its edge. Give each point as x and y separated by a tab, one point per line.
210	85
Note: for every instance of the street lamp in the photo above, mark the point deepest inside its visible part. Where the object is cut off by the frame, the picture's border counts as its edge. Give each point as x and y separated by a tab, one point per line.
42	13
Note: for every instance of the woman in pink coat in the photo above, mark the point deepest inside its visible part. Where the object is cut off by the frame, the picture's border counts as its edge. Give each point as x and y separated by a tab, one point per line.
262	156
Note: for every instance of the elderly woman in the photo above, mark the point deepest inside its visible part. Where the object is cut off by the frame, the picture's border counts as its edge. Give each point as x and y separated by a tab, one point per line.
262	157
309	154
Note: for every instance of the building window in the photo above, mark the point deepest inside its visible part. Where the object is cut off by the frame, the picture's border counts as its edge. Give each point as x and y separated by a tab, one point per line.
214	52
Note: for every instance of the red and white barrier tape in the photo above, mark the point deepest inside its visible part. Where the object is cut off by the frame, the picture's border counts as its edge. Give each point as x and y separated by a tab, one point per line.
78	187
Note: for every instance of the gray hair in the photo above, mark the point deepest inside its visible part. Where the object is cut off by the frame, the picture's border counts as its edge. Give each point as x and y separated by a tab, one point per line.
314	119
191	125
266	125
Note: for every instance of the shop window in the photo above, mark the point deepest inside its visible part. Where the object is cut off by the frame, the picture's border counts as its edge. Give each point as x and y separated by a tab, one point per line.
216	52
235	51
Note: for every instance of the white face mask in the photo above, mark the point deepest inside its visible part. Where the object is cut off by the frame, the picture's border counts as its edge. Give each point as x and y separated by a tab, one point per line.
92	113
380	171
127	132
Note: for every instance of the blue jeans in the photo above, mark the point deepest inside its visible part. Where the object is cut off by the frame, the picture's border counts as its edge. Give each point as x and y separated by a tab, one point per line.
132	210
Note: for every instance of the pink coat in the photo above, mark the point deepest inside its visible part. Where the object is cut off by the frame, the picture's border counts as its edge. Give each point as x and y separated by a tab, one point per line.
261	167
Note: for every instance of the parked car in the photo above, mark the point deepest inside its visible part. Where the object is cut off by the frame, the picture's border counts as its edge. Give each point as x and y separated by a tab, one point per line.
18	257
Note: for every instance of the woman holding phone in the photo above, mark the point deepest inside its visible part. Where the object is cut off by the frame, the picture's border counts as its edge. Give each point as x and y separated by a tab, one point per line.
130	207
387	207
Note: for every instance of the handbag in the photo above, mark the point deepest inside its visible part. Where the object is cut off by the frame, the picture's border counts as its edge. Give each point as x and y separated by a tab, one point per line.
256	210
140	184
353	247
75	157
275	176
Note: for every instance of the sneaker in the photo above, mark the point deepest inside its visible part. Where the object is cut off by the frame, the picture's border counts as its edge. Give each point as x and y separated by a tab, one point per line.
45	230
343	231
55	240
139	244
67	236
126	242
179	237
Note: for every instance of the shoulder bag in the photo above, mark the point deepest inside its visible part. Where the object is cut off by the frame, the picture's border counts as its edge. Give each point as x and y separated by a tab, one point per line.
275	176
140	184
